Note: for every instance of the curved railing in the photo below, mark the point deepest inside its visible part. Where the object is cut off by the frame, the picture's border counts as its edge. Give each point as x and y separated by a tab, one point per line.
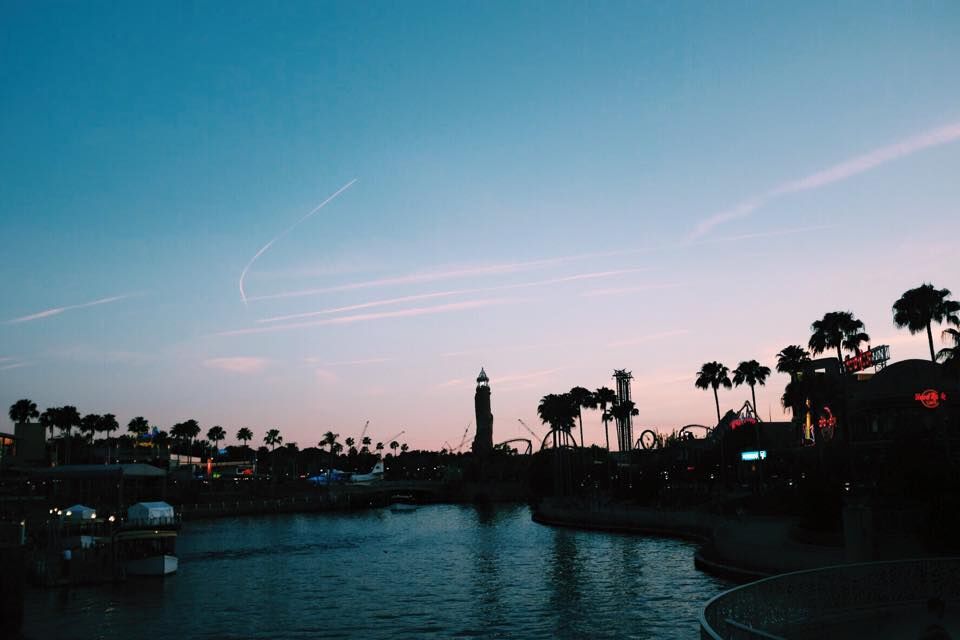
804	602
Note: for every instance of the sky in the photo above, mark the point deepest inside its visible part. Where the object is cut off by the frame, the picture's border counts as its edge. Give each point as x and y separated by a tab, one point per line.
306	216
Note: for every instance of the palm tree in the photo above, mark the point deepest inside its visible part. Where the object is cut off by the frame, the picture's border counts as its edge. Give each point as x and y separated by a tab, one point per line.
379	447
603	397
65	419
919	308
831	331
88	425
187	430
244	435
559	411
179	433
365	441
23	411
620	412
752	373
791	359
583	399
139	427
394	445
273	439
404	448
329	439
216	434
49	419
108	424
714	375
951	355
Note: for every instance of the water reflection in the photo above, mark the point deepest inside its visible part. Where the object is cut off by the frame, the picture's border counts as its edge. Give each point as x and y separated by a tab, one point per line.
438	572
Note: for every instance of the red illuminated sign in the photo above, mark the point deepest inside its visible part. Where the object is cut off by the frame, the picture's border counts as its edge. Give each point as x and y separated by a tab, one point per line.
870	358
931	398
739	422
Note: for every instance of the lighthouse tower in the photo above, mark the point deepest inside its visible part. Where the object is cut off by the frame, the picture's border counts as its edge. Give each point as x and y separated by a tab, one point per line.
483	441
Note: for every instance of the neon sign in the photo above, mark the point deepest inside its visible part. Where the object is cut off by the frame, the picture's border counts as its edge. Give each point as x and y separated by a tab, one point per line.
875	357
748	456
930	398
739	422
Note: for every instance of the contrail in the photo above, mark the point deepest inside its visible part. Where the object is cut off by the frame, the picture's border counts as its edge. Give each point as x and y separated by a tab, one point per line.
243	274
846	169
58	310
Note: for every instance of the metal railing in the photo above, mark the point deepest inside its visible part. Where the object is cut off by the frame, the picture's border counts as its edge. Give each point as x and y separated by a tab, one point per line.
775	606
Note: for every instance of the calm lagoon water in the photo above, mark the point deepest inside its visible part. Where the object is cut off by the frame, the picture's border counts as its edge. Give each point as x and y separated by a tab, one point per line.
441	571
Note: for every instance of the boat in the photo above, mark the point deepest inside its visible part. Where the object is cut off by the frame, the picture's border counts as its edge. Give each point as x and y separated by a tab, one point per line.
146	542
402	503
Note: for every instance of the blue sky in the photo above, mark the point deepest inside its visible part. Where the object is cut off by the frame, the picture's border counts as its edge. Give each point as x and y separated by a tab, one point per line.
567	168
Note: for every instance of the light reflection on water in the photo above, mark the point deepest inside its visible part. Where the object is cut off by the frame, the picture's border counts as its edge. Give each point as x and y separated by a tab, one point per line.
441	571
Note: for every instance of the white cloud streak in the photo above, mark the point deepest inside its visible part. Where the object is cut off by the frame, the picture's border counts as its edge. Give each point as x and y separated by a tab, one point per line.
428	276
836	173
653	337
237	364
346	363
365	317
445	294
55	311
616	291
243	274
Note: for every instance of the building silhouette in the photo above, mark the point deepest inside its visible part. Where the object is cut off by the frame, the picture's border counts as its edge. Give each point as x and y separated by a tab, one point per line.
483	440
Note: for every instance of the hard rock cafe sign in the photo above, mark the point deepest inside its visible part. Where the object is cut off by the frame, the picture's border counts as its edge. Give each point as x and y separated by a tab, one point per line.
930	398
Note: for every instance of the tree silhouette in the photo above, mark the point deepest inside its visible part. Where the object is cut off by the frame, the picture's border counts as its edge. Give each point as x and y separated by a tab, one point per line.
394	445
917	309
23	411
951	355
582	399
215	434
108	424
714	375
244	435
379	447
404	448
139	427
833	330
791	360
559	411
273	439
752	373
604	397
88	425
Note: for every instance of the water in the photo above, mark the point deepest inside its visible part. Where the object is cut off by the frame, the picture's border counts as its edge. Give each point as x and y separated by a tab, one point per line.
441	571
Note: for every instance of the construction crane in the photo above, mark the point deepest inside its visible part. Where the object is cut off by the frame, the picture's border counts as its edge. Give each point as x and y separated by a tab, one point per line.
447	446
463	440
394	437
364	432
529	430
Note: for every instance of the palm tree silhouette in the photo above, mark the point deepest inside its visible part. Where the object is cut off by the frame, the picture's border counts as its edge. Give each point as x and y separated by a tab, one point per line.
713	375
394	445
559	411
215	434
244	435
404	448
88	425
791	359
917	309
23	411
108	424
273	439
951	355
831	331
379	448
138	427
604	397
752	373
620	412
582	399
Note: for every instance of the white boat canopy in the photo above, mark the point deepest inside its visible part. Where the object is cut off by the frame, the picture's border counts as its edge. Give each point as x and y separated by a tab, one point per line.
150	511
78	513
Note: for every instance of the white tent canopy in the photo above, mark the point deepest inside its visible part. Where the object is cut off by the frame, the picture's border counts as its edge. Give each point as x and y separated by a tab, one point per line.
150	511
78	513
